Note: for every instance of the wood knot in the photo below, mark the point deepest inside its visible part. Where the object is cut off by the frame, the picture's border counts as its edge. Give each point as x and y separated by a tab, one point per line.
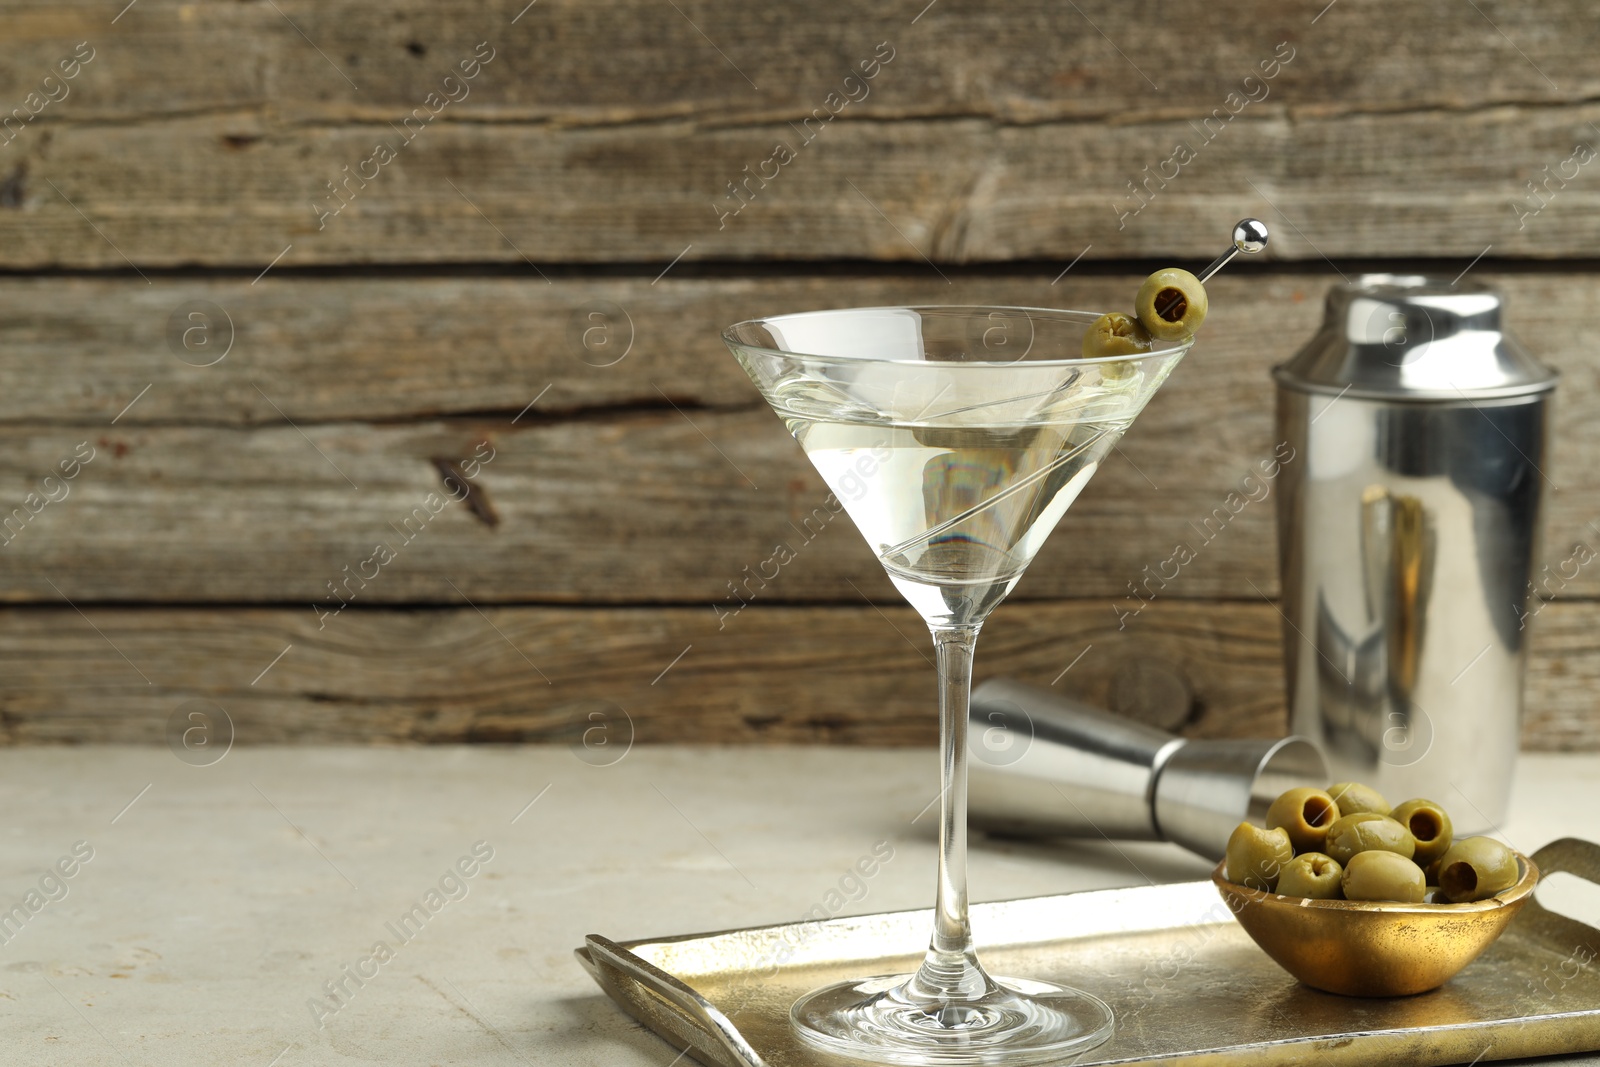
460	487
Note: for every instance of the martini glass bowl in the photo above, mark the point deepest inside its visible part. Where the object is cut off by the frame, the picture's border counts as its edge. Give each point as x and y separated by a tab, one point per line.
955	438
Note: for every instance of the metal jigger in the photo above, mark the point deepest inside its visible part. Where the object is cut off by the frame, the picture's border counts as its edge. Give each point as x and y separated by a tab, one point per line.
1046	766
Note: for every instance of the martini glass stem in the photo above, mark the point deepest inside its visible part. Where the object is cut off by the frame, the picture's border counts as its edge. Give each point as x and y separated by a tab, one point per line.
950	972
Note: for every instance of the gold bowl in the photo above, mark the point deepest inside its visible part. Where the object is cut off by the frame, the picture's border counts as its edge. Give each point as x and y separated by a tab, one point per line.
1366	948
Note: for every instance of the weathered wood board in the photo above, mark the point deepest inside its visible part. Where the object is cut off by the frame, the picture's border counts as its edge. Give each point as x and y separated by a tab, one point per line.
656	507
660	478
771	674
175	191
613	61
390	348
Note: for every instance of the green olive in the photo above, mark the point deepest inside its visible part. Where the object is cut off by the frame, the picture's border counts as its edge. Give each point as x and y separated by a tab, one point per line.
1367	831
1476	869
1256	856
1306	814
1429	826
1353	797
1311	874
1171	304
1115	334
1378	875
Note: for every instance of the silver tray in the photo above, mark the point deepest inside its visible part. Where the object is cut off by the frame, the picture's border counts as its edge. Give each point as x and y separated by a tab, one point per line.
1186	983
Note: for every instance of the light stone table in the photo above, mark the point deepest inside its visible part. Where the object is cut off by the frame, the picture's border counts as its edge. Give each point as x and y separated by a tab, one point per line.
220	904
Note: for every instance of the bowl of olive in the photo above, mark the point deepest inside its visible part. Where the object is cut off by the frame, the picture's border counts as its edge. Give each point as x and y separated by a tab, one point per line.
1352	896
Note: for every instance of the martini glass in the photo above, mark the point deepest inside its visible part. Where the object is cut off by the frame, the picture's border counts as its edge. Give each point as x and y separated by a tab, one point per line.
955	437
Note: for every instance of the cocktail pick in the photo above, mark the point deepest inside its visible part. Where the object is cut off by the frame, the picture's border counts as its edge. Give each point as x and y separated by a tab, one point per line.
1249	236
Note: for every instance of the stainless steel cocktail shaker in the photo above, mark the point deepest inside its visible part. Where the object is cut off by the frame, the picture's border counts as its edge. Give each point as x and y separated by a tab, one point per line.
1046	765
1408	520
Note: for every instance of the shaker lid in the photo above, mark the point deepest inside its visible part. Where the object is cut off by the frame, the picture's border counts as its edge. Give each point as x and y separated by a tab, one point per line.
1410	337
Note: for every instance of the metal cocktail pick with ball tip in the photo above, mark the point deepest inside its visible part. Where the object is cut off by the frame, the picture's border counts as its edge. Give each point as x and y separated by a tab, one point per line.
1249	236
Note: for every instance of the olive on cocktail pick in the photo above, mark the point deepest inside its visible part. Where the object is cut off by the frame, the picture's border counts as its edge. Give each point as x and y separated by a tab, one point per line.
1172	302
1170	305
1115	334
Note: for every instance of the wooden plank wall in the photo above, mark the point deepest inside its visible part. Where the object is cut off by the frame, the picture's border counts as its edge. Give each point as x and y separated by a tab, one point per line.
274	276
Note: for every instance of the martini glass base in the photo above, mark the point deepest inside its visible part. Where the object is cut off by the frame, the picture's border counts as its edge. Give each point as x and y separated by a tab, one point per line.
1021	1022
